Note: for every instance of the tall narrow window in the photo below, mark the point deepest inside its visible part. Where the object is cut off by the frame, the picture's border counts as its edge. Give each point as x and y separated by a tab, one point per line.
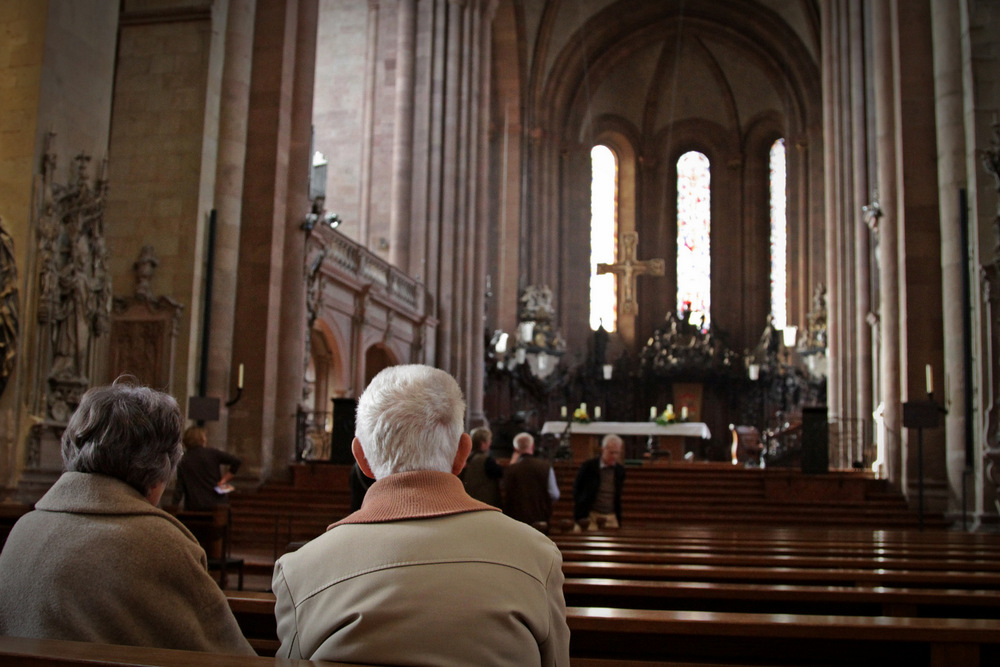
779	237
694	251
603	237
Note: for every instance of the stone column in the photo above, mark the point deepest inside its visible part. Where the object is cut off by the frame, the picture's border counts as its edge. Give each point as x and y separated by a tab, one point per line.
862	362
400	212
222	363
277	159
477	352
292	352
830	136
367	125
883	68
450	184
949	112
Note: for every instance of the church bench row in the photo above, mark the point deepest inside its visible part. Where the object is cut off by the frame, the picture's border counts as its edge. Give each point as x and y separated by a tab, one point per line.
783	575
782	639
782	598
911	544
856	562
59	653
737	638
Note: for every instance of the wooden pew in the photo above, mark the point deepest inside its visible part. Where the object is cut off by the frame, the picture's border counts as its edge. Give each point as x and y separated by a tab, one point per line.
784	575
782	639
749	560
782	598
632	636
53	653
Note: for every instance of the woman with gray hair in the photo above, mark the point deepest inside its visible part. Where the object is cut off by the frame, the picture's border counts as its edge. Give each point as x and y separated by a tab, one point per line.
97	560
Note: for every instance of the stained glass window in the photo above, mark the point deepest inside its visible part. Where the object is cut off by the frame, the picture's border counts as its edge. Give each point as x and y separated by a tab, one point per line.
603	237
779	236
694	256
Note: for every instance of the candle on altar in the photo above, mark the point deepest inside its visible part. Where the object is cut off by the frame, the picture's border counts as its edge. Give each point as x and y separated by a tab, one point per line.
583	408
562	411
597	412
239	380
652	412
930	380
684	412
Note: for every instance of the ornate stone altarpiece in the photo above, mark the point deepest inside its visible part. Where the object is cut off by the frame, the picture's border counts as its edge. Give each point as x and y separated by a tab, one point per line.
73	303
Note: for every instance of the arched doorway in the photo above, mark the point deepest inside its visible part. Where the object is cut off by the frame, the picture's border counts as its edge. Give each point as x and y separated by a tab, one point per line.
377	357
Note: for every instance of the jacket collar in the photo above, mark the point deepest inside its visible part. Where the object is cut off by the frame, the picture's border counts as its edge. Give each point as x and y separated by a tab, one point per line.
414	495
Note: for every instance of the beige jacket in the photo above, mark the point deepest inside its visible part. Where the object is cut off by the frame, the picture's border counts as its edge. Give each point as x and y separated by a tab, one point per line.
96	562
424	575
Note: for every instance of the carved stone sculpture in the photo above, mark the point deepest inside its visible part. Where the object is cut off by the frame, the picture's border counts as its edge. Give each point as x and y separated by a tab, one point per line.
8	307
75	285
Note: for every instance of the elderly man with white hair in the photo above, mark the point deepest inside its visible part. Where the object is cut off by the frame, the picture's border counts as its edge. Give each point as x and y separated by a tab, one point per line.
422	574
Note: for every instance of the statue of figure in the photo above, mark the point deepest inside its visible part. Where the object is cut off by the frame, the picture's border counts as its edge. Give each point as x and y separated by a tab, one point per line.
78	299
770	340
8	307
537	303
144	267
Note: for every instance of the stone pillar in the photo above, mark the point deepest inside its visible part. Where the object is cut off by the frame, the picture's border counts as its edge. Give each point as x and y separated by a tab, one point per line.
402	148
449	188
481	108
270	296
949	112
883	40
367	125
292	355
830	124
861	368
235	94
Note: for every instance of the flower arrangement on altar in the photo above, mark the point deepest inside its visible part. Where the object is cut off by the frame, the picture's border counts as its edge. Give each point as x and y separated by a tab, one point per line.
580	414
665	417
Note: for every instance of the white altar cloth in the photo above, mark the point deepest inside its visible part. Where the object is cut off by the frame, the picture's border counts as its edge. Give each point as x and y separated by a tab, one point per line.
686	429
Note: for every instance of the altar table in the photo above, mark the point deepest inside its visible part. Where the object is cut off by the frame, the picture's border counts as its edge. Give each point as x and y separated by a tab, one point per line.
585	441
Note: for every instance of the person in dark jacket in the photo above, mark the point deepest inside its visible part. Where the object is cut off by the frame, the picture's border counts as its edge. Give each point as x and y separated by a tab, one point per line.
200	480
482	473
597	489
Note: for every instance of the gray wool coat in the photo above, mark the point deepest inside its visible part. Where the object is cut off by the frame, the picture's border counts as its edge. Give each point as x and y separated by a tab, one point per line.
96	562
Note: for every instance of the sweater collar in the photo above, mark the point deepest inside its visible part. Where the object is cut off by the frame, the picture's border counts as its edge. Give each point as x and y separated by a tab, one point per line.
421	494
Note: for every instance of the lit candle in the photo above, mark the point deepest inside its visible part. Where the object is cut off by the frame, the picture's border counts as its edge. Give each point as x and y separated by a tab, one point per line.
652	412
562	412
239	381
583	407
597	412
684	412
930	380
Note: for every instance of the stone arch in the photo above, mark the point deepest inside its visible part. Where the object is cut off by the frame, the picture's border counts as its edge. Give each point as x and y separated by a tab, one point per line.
378	357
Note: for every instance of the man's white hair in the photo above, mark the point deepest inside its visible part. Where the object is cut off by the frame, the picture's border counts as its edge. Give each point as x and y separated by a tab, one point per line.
410	418
611	439
524	442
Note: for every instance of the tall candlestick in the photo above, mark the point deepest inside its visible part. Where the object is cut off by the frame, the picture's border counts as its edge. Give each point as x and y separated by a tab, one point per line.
930	380
239	381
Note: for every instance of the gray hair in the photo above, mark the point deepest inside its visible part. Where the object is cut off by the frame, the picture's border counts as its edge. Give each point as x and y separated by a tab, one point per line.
128	432
611	439
410	418
524	442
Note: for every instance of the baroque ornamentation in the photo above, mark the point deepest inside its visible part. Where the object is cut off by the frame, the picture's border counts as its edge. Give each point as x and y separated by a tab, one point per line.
75	286
8	307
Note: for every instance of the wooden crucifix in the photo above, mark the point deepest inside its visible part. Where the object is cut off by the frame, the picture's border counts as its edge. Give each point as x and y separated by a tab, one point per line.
629	268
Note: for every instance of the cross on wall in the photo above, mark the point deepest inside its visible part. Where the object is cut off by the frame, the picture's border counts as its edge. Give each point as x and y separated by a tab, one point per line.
629	268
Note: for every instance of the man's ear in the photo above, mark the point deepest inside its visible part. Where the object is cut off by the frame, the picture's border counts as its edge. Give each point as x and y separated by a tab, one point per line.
464	447
359	456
